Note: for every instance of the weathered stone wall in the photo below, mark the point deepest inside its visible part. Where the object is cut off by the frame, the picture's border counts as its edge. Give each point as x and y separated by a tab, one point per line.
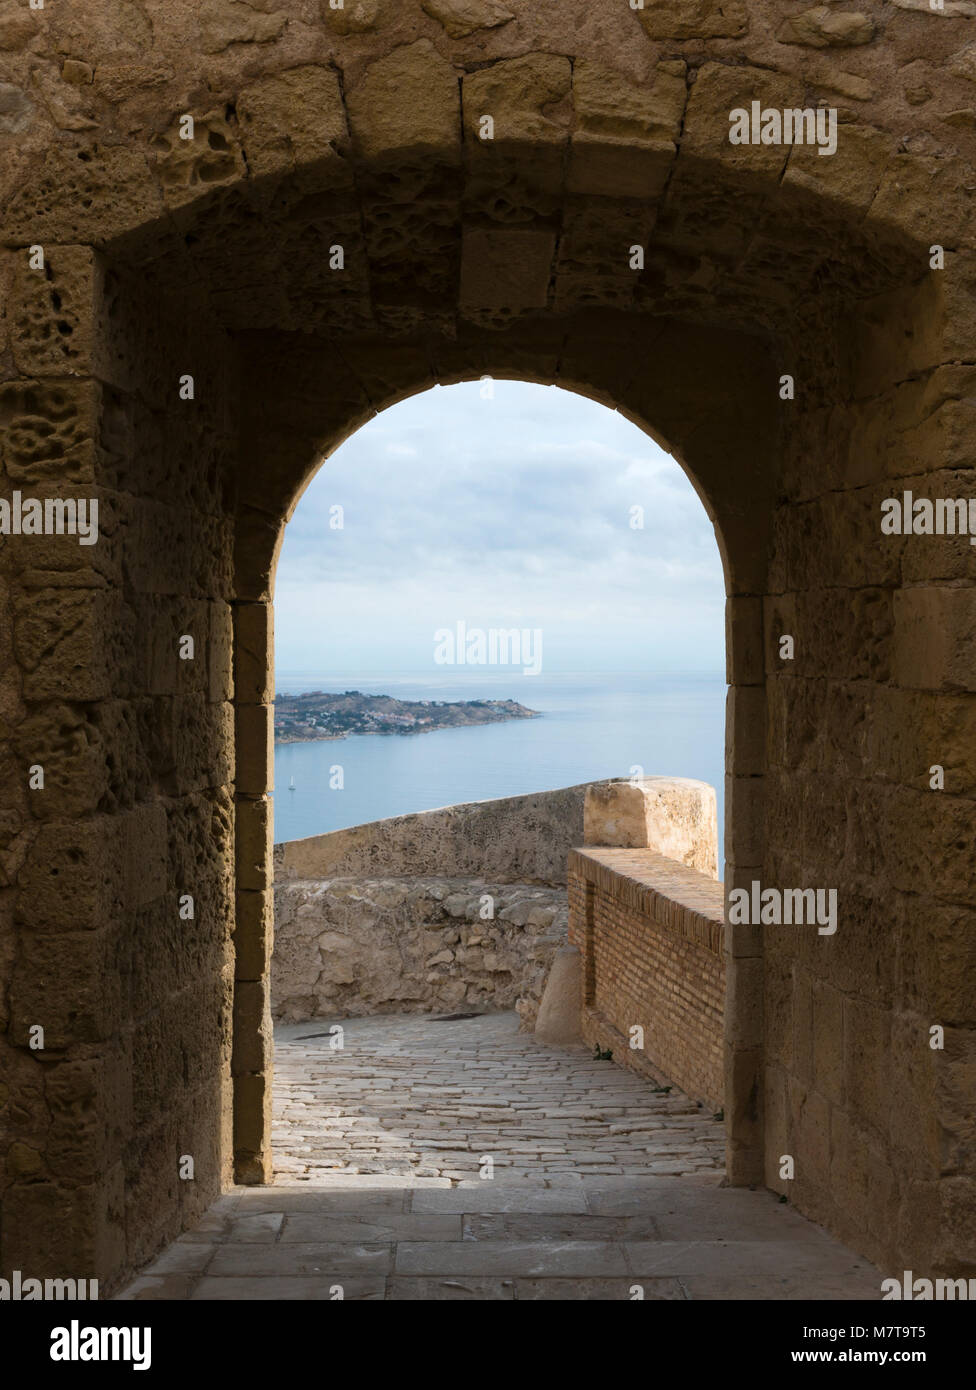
135	742
362	924
516	839
650	933
348	947
361	128
879	693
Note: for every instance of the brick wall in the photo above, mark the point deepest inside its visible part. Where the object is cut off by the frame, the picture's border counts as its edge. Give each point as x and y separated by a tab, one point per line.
650	932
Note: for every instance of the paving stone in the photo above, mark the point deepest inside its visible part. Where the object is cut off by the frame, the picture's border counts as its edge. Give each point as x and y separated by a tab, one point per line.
408	1094
599	1290
377	1189
262	1227
429	1290
150	1287
549	1258
486	1197
180	1258
681	1258
323	1260
542	1226
746	1285
631	1196
290	1287
376	1228
733	1219
324	1198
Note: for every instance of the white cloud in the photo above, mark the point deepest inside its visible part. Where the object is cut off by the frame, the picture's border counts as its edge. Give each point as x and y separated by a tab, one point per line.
515	510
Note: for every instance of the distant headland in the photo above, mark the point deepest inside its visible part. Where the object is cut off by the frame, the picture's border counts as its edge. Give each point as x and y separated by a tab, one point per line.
318	715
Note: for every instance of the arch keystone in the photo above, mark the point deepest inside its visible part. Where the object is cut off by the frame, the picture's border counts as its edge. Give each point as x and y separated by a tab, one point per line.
407	104
525	96
717	92
626	134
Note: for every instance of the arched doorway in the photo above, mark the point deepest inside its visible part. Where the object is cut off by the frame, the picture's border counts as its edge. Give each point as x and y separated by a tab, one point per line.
216	350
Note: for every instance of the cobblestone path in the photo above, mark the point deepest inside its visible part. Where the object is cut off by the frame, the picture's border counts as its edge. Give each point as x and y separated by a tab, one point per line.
601	1187
416	1096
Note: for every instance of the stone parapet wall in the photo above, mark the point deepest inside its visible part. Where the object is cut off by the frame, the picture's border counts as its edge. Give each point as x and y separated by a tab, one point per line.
516	839
348	947
675	816
512	839
651	935
388	916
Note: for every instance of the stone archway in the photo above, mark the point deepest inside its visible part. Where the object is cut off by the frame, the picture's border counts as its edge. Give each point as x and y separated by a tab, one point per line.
303	379
190	350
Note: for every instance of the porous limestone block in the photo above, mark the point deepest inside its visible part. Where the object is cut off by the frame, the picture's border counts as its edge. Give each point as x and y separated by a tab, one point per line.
923	196
675	816
61	198
73	875
253	836
558	1019
252	1127
625	136
254	753
295	118
51	310
934	644
407	106
517	116
525	97
718	91
253	653
252	1026
849	178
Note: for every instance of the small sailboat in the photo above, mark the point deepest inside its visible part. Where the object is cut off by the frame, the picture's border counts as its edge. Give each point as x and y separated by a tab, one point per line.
291	785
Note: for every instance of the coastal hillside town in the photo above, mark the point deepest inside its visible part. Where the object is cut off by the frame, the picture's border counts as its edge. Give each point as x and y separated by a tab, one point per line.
318	715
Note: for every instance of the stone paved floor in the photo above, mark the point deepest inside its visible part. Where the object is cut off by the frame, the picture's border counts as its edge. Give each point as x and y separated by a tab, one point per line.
601	1188
409	1095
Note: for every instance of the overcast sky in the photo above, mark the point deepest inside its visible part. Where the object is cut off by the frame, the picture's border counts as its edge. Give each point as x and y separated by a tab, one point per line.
506	512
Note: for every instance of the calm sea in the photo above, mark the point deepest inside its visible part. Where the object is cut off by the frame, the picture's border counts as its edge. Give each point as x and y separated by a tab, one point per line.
591	727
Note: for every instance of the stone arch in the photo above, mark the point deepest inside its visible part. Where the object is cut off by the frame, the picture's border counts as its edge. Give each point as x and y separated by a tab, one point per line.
209	259
256	560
